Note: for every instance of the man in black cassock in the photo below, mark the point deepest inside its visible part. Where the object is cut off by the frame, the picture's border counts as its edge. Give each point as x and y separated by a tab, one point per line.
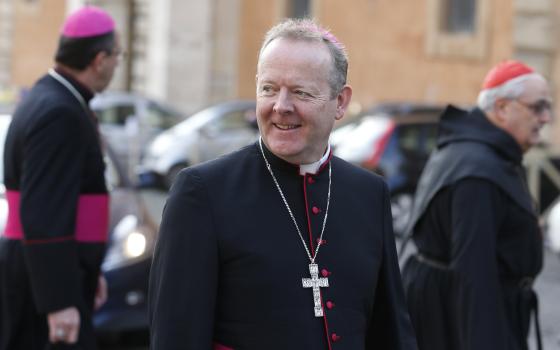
54	241
469	287
280	245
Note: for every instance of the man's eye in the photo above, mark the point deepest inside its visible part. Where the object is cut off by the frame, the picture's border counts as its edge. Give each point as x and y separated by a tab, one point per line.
302	93
542	106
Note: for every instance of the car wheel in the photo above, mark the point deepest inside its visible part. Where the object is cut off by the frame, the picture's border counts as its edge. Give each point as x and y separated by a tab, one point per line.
172	174
401	206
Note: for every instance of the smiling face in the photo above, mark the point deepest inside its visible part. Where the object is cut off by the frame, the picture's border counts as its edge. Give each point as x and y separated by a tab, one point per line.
295	111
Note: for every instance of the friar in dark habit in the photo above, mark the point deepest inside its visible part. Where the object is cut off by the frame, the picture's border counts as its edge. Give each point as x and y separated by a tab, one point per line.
281	245
470	285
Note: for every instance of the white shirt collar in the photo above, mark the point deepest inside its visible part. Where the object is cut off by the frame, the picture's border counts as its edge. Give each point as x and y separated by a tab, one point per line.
312	168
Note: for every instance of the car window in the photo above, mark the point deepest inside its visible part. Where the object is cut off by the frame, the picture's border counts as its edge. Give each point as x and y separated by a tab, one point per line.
115	115
431	131
112	178
161	118
235	120
410	137
418	139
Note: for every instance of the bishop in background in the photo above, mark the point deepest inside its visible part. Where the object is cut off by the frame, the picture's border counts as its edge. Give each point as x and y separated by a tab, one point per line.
281	245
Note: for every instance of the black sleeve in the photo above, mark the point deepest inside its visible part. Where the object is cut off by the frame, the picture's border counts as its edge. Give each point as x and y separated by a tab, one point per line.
53	158
476	212
184	275
390	327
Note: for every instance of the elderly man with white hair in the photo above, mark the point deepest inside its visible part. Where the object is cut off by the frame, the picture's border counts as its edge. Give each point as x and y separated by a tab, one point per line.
479	244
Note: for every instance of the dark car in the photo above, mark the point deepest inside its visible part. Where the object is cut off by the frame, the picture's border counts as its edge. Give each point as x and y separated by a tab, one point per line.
395	141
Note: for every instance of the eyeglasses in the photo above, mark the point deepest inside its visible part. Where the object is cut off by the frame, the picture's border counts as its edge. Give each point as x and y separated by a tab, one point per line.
538	107
118	53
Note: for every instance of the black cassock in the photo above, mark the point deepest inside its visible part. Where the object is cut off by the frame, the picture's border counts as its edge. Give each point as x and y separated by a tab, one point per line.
228	267
54	240
479	243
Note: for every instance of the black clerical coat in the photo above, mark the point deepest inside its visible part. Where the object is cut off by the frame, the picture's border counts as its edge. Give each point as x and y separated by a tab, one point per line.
228	267
54	240
479	243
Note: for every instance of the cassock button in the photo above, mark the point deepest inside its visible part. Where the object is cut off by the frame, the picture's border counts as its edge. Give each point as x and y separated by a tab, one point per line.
315	210
330	305
310	180
335	337
325	272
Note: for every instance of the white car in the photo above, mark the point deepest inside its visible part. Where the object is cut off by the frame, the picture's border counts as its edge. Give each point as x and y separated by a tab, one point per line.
553	228
129	122
4	124
206	135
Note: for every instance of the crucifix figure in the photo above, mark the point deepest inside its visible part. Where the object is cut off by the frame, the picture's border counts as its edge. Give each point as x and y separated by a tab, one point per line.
315	282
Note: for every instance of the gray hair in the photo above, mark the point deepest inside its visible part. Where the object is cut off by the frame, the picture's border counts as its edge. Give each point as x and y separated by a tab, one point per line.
512	89
307	30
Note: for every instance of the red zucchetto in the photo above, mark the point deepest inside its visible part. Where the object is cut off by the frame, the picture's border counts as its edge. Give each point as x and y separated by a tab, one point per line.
86	22
504	72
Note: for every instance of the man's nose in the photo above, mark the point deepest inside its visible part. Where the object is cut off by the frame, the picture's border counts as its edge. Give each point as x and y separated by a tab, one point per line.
283	103
546	116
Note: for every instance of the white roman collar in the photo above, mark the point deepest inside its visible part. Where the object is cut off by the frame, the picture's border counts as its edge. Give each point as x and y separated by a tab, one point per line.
312	168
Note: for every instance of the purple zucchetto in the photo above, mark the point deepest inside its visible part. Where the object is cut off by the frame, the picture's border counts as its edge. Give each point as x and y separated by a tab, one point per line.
87	22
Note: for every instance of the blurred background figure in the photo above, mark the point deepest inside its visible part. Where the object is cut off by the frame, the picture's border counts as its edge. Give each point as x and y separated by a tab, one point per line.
54	240
470	285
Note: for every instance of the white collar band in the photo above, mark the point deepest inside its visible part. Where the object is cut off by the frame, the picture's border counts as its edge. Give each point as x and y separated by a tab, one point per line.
312	168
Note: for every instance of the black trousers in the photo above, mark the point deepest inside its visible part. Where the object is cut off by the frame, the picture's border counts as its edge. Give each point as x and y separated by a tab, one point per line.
22	327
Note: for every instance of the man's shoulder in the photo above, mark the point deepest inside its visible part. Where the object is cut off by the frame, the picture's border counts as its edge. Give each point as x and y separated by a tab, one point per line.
470	159
224	167
475	152
47	102
227	163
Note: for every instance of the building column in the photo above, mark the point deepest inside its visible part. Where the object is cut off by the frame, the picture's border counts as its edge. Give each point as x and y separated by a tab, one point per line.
6	27
535	42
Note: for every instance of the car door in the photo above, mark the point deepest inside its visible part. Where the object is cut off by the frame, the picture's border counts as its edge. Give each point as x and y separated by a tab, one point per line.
228	132
113	126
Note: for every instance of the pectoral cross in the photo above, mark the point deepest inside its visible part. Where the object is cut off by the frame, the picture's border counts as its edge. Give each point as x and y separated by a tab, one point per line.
315	282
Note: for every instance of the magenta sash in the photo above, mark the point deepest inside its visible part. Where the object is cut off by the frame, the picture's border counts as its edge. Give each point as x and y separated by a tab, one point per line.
92	217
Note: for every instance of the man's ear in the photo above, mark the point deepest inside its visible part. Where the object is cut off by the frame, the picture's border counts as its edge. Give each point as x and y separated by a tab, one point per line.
342	101
500	109
99	60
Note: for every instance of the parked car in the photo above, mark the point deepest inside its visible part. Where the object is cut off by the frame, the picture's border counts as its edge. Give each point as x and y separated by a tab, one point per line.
132	235
4	124
129	122
395	141
210	133
553	228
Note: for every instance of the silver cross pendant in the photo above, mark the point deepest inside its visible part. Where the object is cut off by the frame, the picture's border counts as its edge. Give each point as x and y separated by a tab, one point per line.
315	282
